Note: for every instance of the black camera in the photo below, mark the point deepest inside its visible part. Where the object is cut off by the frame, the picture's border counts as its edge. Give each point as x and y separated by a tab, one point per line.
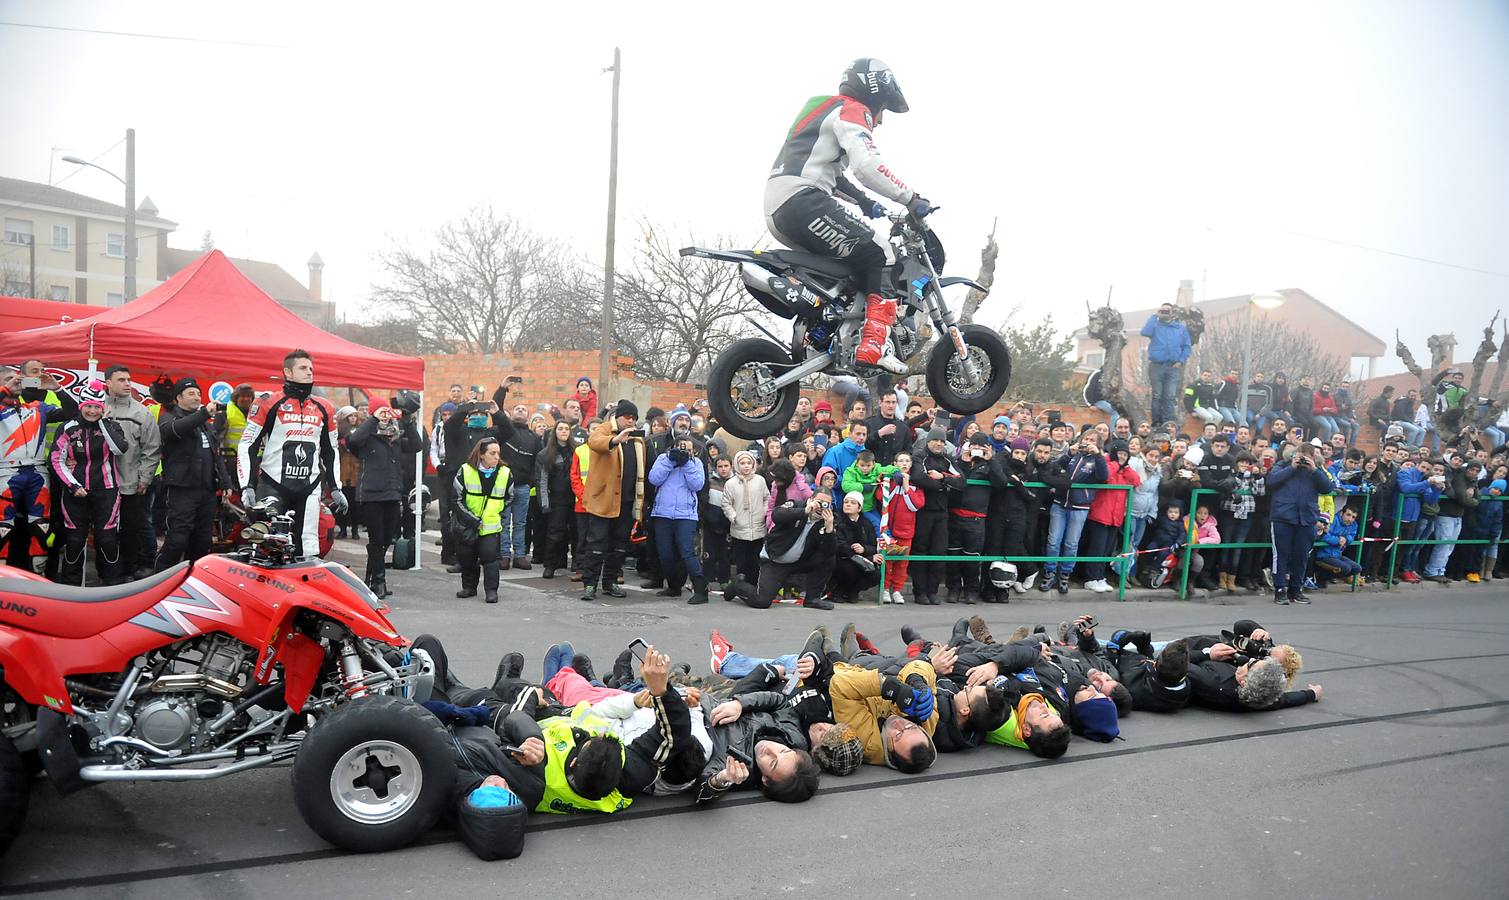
407	402
1256	648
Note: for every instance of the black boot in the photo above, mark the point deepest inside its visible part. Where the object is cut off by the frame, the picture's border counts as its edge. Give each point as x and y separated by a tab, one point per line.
467	591
491	596
699	592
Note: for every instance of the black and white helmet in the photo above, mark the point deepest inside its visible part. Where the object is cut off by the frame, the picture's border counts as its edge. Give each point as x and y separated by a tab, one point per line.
872	83
1002	575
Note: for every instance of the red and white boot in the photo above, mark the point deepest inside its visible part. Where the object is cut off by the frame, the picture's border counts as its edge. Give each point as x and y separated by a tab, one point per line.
875	338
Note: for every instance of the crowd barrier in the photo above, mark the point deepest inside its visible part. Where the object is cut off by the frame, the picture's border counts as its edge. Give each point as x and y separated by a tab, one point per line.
1355	550
1126	541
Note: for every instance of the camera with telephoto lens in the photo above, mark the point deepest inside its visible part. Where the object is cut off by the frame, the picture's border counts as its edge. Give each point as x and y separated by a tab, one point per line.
1250	648
407	402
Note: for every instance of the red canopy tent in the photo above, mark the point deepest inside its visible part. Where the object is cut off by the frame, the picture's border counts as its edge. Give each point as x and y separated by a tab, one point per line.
21	313
209	320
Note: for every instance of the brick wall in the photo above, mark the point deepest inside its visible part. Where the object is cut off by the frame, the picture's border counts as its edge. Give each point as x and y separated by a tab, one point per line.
551	377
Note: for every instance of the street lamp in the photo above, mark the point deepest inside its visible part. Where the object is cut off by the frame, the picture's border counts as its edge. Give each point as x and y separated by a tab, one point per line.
1266	300
130	182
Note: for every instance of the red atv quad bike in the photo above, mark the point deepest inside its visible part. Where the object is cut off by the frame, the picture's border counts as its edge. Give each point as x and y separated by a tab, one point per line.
232	663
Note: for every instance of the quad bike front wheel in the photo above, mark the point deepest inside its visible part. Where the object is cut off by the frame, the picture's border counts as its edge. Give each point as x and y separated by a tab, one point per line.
15	792
374	774
739	389
950	383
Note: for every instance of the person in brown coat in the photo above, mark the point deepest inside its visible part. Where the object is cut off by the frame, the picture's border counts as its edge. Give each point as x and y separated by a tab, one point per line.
614	497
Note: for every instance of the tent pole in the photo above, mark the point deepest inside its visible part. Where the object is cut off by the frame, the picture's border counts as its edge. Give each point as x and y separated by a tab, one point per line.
419	487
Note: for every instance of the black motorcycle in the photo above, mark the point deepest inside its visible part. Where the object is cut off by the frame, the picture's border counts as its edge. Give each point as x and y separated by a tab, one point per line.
754	384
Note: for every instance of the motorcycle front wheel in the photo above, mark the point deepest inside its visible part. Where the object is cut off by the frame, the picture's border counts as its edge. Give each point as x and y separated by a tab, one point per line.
739	391
952	387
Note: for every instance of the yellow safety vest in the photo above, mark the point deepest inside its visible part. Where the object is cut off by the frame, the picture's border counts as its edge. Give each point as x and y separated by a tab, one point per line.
235	424
54	420
560	740
488	508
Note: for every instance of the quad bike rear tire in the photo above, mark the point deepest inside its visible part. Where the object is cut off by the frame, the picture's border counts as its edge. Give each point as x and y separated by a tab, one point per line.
986	349
374	775
15	792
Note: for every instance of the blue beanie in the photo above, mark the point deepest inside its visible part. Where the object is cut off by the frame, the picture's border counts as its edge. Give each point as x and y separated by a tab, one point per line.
1498	484
1001	420
447	406
1096	719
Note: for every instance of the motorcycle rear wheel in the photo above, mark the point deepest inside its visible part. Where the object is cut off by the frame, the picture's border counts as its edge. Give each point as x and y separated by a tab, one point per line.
374	775
753	412
945	377
15	792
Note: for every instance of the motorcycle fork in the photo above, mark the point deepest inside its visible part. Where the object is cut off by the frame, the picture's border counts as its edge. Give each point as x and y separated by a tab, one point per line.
946	320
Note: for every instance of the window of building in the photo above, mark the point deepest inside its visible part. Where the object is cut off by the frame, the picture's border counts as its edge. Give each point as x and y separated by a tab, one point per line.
115	245
115	299
1095	358
14	288
18	231
58	292
62	239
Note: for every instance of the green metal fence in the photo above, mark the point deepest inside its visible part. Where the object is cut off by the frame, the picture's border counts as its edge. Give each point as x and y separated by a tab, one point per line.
1356	549
1126	541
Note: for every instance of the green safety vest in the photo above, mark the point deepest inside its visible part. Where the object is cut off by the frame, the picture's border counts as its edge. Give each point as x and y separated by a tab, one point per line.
488	508
235	425
54	420
1006	734
560	740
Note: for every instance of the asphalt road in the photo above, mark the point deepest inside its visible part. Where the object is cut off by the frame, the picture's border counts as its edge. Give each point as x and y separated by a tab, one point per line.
1396	784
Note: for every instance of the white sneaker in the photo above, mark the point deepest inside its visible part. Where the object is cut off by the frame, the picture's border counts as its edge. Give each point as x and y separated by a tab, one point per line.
885	597
897	598
1099	586
1025	584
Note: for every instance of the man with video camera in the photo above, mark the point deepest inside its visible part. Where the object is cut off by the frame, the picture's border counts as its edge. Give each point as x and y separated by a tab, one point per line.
801	542
1295	486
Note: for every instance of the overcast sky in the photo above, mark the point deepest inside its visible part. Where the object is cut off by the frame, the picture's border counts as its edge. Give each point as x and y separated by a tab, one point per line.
1120	144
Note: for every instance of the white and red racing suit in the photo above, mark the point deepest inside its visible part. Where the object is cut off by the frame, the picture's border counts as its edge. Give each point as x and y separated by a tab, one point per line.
288	450
831	134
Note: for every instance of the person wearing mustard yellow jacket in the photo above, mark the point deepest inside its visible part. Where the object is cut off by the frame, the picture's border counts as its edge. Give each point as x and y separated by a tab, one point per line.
614	498
893	716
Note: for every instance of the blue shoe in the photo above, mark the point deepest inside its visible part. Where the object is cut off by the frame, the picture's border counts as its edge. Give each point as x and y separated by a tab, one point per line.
557	657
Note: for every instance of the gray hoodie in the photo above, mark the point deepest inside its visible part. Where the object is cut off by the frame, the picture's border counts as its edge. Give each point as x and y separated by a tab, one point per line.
144	443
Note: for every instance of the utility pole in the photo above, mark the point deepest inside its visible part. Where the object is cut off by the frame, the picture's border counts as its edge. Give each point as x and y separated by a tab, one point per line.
605	360
130	214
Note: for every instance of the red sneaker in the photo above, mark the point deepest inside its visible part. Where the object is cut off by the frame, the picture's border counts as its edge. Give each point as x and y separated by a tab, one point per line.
865	643
720	650
1410	577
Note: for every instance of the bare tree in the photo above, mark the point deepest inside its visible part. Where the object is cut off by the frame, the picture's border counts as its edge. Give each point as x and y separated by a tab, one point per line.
1108	327
485	275
675	313
1275	348
917	361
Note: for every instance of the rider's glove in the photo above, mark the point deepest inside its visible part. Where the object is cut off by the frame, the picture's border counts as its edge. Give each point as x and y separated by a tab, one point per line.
338	500
248	497
918	206
875	211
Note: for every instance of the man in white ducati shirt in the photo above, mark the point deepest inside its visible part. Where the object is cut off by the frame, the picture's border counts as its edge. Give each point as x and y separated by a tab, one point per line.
288	451
833	133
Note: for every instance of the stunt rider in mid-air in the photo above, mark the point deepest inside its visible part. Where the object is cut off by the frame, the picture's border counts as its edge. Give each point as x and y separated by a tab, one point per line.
830	134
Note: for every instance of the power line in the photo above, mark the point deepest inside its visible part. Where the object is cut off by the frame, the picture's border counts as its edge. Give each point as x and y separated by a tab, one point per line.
155	37
93	159
1410	256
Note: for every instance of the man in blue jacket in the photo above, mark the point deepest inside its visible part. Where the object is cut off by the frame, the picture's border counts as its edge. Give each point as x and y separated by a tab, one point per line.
1167	349
1294	486
842	455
